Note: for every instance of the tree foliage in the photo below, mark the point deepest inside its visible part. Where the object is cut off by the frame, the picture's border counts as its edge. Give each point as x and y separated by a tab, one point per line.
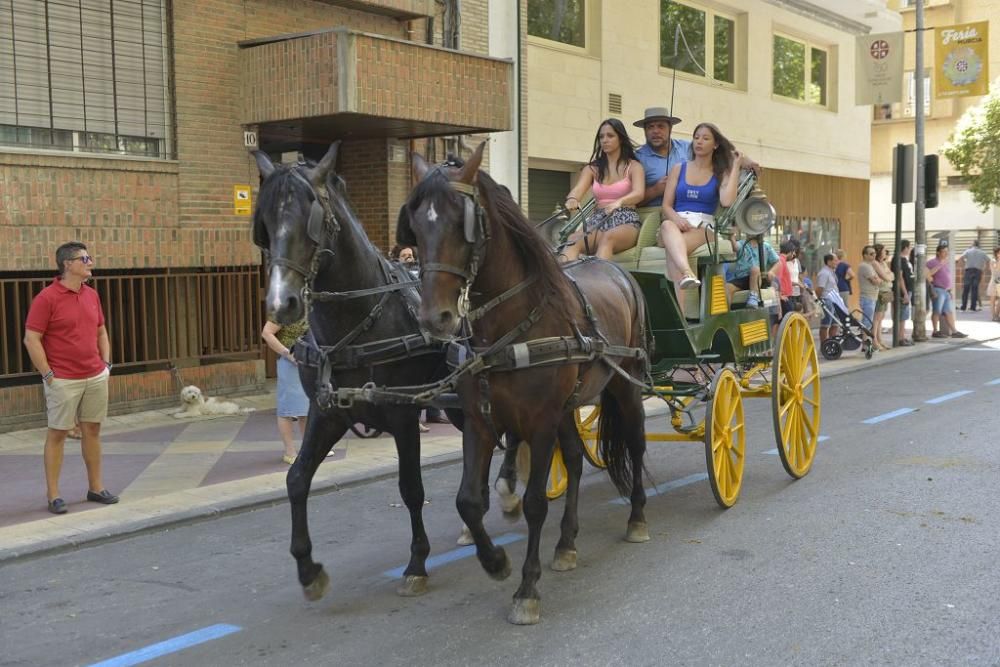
558	20
974	149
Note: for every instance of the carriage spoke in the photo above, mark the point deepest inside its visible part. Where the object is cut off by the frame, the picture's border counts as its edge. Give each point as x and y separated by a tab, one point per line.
786	406
811	401
812	378
808	424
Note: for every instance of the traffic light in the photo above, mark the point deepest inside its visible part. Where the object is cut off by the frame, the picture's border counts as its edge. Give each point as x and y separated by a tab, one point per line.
930	181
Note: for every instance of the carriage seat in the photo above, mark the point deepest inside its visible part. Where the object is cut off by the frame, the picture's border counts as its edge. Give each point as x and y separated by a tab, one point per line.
767	295
646	255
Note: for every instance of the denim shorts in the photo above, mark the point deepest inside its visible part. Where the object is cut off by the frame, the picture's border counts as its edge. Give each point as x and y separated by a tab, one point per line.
868	310
942	301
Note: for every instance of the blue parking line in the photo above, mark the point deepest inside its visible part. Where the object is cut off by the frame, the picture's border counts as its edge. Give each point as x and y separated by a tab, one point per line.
660	489
993	382
888	415
455	554
169	646
948	397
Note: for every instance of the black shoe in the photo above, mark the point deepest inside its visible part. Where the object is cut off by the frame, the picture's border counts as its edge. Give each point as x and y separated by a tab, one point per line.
440	419
975	310
57	506
104	497
959	334
939	334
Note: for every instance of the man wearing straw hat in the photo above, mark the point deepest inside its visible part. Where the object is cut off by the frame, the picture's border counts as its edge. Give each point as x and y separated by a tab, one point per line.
660	152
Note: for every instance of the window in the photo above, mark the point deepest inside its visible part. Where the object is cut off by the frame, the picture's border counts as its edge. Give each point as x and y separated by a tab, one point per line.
559	20
800	70
85	75
688	44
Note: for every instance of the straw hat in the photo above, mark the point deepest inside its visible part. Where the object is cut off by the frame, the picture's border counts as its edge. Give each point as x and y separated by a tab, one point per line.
657	113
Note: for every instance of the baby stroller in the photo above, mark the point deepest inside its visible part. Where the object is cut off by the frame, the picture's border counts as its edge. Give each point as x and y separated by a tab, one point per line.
851	332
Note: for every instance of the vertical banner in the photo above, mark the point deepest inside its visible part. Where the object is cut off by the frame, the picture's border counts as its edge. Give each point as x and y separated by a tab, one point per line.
961	60
878	61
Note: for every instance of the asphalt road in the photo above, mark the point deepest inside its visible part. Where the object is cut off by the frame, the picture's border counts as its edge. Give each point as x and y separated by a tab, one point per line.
884	554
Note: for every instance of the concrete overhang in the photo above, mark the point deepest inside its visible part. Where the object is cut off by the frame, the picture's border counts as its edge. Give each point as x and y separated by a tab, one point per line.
343	84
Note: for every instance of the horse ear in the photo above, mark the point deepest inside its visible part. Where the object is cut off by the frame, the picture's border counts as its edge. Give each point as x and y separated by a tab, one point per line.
404	233
468	172
264	164
420	167
319	173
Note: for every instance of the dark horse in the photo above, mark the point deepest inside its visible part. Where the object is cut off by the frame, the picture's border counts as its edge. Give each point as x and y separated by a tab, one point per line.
482	258
317	245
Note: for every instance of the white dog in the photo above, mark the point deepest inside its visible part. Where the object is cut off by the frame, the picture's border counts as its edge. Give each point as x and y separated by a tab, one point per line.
196	405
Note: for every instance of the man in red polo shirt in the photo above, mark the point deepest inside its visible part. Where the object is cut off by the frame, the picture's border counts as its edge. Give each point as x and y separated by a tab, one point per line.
68	344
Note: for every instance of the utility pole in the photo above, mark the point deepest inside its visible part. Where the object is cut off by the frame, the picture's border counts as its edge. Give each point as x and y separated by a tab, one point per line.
919	297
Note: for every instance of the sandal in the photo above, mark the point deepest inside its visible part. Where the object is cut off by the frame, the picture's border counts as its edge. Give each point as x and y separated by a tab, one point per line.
288	459
689	280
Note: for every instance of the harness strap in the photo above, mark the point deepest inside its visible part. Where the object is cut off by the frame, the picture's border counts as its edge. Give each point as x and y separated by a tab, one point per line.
496	301
431	267
370	291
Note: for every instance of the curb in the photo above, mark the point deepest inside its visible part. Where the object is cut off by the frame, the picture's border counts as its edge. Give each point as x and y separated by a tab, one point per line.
241	502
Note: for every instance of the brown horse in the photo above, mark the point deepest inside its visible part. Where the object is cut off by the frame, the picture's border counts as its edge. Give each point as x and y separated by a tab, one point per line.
482	259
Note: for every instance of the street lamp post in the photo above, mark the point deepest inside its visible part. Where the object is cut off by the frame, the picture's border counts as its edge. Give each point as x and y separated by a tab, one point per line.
919	232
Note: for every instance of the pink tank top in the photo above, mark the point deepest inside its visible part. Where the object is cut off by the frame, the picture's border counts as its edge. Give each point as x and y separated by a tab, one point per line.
605	194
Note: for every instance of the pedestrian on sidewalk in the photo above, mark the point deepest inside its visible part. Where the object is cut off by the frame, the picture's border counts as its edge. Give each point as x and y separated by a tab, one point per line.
904	288
292	402
826	285
975	261
845	274
993	290
868	282
939	275
68	344
884	297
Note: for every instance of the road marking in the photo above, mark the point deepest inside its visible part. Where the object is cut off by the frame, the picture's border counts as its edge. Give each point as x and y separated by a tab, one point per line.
888	415
993	382
455	554
948	397
980	349
660	489
774	452
170	646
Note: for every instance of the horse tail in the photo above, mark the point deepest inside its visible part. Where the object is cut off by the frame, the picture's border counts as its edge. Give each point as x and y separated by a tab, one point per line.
611	430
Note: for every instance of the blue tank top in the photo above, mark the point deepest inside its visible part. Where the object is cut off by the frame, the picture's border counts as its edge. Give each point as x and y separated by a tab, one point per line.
696	198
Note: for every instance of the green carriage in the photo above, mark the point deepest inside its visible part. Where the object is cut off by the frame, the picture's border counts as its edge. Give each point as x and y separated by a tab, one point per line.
717	351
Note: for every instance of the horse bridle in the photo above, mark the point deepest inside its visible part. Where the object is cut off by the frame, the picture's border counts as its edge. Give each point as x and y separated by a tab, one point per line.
476	234
322	229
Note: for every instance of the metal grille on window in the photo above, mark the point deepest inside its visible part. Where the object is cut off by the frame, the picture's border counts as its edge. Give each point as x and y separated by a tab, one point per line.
85	75
614	103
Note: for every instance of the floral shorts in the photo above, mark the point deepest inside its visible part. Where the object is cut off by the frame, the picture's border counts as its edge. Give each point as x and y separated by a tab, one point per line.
599	221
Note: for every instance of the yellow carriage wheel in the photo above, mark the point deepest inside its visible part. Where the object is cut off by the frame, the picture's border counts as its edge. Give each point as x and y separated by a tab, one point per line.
558	476
586	426
725	438
795	395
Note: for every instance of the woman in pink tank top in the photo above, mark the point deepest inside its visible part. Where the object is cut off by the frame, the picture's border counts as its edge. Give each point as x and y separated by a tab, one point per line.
618	184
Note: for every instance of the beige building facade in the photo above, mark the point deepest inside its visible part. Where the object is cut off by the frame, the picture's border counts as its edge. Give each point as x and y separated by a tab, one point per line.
894	123
777	76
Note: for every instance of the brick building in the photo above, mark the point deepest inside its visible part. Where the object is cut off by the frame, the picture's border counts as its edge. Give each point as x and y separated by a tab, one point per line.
122	124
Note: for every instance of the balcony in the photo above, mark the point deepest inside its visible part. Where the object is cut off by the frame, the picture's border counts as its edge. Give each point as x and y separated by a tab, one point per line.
344	84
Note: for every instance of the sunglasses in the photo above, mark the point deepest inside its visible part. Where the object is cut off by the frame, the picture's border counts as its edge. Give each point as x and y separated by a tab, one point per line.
86	259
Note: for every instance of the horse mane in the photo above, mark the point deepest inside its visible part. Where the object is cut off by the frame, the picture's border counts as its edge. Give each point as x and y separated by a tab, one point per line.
530	246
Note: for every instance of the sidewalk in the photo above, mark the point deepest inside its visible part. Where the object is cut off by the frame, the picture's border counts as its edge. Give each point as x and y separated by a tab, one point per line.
170	471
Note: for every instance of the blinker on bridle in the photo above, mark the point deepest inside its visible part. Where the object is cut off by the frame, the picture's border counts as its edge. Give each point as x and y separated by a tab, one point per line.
322	227
476	234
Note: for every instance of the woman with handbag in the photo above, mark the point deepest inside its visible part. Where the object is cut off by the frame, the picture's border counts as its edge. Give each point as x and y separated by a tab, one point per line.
881	265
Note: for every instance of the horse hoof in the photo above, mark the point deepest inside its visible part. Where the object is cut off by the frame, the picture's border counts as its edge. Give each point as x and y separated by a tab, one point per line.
412	586
564	561
318	588
465	537
525	611
637	533
503	571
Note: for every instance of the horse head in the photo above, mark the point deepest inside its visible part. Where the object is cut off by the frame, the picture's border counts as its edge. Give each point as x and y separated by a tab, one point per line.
293	227
442	217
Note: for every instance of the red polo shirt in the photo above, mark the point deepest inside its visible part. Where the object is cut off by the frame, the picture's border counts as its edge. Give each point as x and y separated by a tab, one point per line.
68	322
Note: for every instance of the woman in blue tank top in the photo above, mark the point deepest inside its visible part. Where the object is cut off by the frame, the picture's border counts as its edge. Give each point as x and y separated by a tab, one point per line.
694	190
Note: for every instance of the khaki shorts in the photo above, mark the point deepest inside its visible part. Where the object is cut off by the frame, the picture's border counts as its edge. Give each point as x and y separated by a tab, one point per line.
69	401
